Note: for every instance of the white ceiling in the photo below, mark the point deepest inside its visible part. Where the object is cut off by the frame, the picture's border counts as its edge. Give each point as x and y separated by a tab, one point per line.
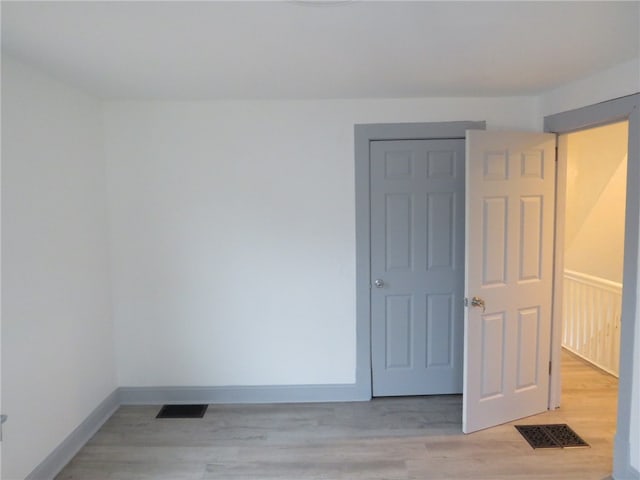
307	49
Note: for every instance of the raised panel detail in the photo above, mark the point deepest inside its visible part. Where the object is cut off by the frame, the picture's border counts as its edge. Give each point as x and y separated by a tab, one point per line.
398	231
496	165
398	164
441	164
494	231
439	330
416	247
530	260
528	340
440	230
492	355
398	318
532	164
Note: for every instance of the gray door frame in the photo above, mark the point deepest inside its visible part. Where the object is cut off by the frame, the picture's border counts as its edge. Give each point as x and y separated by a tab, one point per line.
624	108
364	134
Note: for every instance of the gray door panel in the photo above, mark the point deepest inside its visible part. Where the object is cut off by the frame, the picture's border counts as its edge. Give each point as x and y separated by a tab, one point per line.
417	248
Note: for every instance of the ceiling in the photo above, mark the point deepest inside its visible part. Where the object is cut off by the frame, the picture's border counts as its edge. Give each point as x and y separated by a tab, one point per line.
319	49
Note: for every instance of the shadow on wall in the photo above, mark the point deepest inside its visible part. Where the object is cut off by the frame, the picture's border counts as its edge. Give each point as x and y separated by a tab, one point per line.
596	195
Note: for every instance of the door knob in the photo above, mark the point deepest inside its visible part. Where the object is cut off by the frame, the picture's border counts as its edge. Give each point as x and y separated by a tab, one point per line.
3	418
379	283
478	302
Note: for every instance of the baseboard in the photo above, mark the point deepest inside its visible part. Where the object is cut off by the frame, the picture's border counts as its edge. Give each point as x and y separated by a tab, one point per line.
630	474
56	461
590	362
622	468
243	394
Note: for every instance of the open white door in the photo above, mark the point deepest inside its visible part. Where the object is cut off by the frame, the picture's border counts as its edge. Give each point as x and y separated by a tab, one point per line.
510	181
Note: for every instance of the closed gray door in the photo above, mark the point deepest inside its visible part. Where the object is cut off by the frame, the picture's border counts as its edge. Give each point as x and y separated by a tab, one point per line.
417	250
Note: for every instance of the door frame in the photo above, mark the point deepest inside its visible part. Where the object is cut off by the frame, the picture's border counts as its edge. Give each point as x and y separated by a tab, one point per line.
620	109
364	134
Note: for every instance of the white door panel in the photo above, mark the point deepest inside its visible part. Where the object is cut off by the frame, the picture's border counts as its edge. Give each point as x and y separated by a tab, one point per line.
509	265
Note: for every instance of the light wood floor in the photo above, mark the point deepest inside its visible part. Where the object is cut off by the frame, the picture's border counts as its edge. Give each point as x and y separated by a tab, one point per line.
389	438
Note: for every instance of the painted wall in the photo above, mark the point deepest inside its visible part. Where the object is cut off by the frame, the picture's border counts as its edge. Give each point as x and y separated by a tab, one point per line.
233	234
57	333
616	82
596	193
619	81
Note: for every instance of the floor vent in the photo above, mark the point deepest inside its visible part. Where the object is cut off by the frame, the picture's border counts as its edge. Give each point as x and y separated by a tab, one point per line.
551	436
182	411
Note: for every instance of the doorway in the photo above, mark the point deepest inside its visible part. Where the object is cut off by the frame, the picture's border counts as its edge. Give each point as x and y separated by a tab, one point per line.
594	220
591	116
627	429
365	136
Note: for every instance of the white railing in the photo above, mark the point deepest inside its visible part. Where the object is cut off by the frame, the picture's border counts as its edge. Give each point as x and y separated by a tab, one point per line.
591	319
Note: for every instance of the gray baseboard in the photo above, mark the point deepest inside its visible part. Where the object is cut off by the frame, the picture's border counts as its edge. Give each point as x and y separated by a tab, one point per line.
243	394
633	473
64	452
57	460
622	468
630	473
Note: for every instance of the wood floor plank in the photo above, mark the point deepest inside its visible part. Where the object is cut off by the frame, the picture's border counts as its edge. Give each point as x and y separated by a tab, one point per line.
385	439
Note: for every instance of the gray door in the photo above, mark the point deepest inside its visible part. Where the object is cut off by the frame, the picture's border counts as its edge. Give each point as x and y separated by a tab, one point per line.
417	250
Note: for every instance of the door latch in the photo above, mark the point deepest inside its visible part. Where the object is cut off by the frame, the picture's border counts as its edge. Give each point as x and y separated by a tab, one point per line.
478	302
475	302
3	418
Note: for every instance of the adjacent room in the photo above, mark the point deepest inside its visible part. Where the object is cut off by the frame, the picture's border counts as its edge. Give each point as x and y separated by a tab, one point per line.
594	221
301	216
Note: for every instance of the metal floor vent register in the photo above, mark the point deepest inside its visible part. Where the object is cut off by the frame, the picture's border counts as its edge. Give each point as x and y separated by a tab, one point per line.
551	436
182	411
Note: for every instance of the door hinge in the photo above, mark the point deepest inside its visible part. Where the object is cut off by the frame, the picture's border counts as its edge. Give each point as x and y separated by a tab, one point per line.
549	367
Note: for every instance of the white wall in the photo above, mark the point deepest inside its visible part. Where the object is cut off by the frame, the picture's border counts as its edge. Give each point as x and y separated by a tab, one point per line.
596	195
58	356
233	234
619	81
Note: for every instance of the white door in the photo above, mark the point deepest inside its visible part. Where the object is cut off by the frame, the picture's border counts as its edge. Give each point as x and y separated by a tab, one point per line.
417	245
510	181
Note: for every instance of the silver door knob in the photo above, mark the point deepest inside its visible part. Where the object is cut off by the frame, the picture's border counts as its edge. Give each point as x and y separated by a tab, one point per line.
3	418
478	302
379	283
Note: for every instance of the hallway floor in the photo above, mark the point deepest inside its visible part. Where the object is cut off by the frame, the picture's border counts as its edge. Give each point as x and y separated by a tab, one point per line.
387	438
